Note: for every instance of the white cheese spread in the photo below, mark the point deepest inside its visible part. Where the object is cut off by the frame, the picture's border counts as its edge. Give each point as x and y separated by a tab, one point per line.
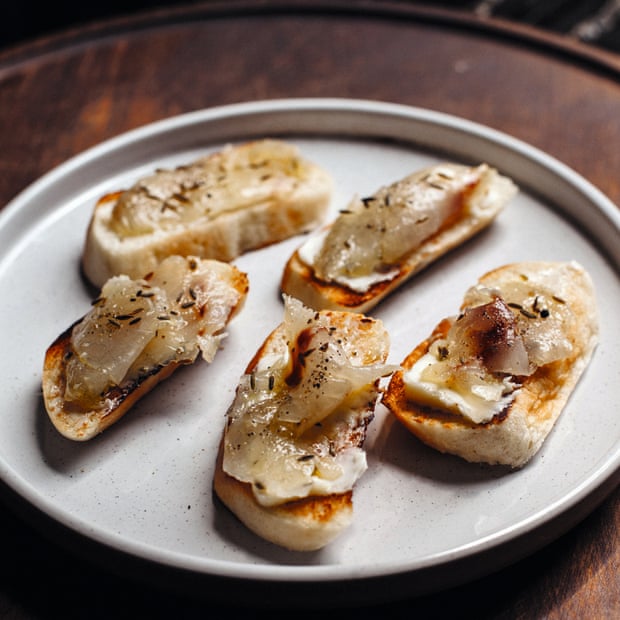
360	284
479	402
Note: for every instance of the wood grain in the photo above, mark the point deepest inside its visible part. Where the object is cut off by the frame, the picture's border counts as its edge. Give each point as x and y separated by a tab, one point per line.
61	95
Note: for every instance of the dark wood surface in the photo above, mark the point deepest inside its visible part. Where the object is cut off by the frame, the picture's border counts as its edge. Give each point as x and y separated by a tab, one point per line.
61	95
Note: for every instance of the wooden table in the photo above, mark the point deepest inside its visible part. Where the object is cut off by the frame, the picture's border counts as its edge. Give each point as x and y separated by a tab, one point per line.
59	96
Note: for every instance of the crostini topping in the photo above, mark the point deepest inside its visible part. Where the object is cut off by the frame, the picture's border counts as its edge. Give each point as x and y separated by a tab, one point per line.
542	317
226	181
503	335
295	425
136	326
371	237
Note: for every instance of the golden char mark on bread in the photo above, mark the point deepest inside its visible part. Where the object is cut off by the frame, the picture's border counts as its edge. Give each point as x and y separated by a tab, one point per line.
292	448
489	384
220	206
136	334
379	242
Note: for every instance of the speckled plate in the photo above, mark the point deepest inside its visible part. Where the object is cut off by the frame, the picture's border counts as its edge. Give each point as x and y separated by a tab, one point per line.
423	520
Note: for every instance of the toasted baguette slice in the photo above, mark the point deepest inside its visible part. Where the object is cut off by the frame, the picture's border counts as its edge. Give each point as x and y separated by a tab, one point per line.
292	448
525	335
379	242
242	198
137	333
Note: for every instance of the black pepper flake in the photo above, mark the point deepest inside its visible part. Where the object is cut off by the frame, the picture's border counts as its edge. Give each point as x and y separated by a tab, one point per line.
527	313
181	197
304	354
436	185
305	457
544	313
188	304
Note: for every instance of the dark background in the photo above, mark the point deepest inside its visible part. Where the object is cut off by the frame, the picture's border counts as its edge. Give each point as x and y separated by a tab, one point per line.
23	20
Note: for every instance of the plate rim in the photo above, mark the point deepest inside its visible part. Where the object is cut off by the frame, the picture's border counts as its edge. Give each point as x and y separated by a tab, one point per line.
598	485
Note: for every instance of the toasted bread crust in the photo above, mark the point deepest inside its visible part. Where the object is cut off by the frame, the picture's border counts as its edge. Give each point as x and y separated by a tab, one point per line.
225	237
299	280
301	525
516	434
78	424
312	522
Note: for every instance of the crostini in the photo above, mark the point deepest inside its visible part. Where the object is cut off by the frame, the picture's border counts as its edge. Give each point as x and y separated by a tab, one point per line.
292	448
238	199
379	242
489	384
137	333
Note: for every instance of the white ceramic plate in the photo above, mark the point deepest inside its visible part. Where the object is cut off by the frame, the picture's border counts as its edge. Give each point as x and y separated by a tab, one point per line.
422	520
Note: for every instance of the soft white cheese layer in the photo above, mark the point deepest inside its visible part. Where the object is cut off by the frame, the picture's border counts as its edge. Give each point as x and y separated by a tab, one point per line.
479	403
360	284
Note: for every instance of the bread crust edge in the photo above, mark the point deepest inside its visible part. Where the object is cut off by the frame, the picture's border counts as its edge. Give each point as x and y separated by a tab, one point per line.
516	434
306	524
79	424
299	280
310	523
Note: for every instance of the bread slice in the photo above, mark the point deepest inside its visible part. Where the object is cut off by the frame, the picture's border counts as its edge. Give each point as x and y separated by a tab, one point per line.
292	448
379	242
137	334
239	199
529	330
